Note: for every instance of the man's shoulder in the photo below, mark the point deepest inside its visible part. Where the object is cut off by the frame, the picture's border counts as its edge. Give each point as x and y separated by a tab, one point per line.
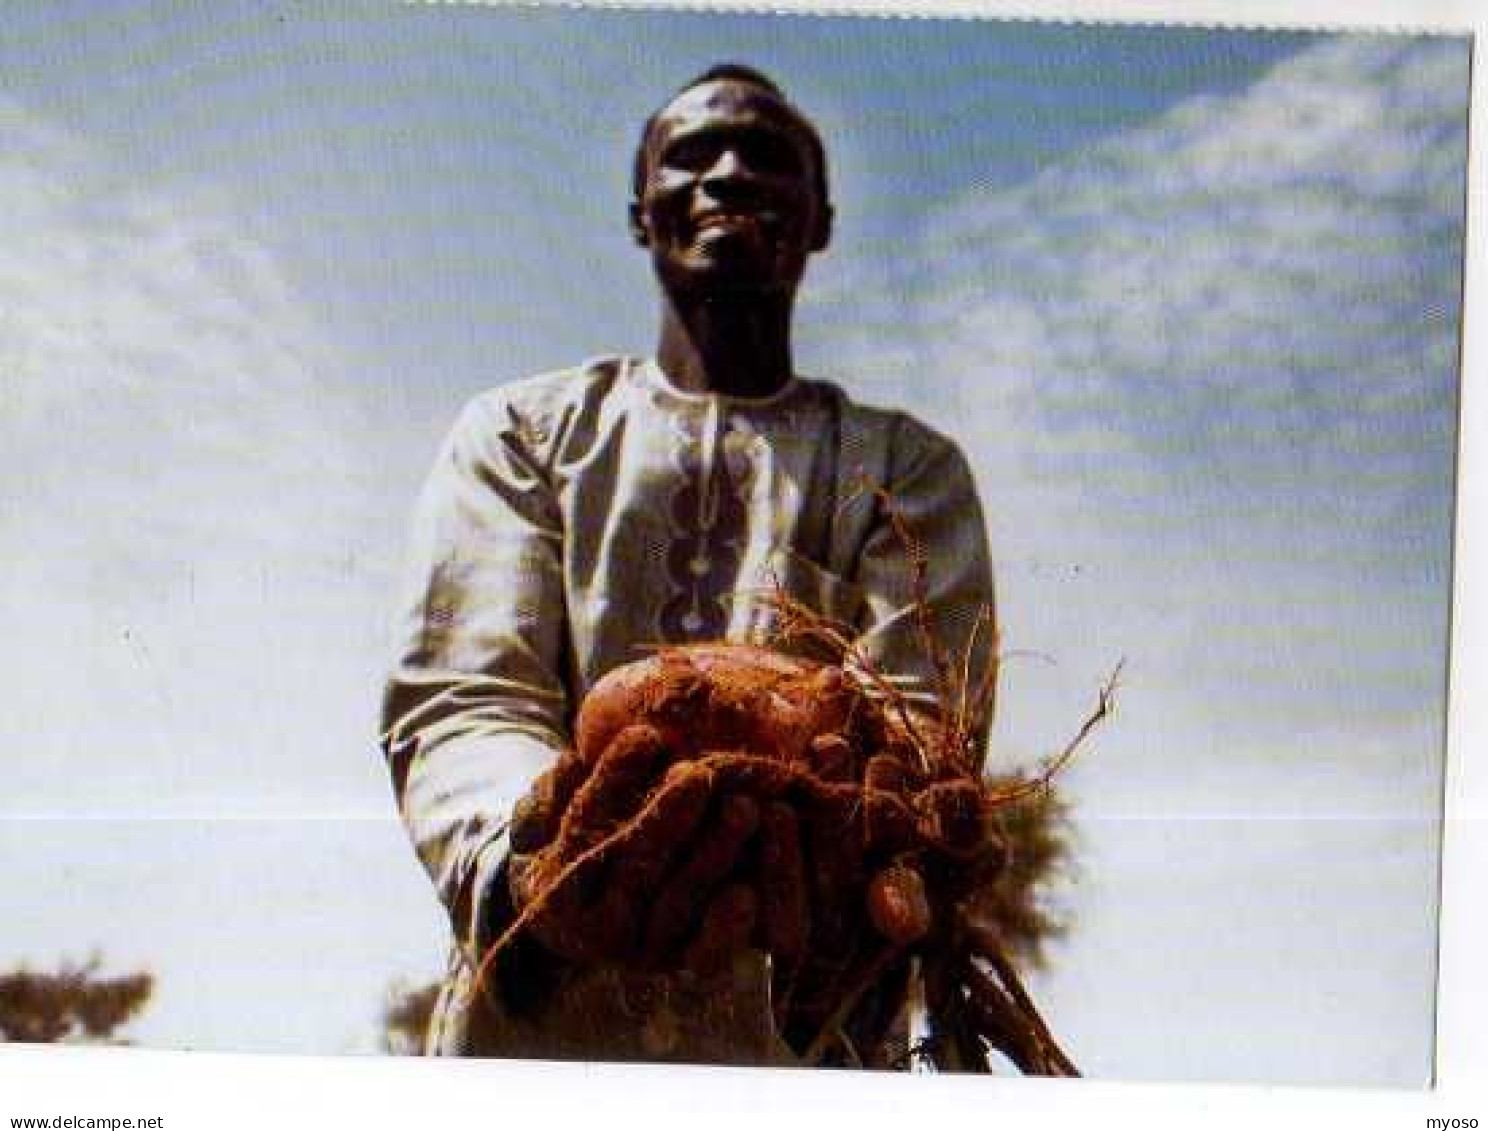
898	430
555	389
535	409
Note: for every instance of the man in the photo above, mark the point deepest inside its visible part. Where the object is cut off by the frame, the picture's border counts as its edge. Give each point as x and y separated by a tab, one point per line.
575	520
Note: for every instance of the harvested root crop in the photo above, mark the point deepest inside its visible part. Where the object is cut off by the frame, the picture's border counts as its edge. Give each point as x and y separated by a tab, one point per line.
722	796
729	796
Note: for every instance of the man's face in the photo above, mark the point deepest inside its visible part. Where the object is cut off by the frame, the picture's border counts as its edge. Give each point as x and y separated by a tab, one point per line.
730	200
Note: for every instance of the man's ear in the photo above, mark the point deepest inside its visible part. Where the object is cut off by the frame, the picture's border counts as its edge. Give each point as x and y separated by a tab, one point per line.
822	236
638	230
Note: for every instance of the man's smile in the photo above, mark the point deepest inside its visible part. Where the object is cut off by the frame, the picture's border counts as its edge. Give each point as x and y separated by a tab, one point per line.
723	221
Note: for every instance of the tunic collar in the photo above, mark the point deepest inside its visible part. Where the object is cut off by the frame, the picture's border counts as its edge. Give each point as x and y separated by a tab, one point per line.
652	376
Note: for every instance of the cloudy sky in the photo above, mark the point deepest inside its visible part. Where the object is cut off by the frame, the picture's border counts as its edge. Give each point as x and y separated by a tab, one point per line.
1188	298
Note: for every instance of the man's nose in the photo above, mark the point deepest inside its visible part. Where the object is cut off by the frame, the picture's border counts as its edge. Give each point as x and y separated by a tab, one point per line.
727	168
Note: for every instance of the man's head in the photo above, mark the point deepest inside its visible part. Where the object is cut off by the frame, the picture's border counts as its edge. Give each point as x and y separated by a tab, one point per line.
730	186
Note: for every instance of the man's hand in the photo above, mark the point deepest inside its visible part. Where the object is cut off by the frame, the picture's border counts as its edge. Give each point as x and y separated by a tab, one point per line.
722	799
671	891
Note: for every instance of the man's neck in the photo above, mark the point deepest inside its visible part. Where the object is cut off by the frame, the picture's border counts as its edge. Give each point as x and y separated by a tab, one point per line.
740	347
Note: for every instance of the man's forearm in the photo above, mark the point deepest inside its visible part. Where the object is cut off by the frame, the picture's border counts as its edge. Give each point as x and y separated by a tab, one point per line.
456	795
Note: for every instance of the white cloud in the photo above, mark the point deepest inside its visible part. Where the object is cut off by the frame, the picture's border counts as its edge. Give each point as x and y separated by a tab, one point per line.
197	540
1263	284
195	537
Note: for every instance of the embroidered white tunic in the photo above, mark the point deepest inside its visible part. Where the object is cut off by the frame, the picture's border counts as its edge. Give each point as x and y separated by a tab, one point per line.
574	521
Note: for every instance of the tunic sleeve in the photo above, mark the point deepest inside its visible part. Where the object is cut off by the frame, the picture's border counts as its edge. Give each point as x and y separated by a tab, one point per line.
476	706
932	491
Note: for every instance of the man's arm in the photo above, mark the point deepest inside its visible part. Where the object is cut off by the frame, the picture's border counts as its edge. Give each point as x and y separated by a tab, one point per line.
476	707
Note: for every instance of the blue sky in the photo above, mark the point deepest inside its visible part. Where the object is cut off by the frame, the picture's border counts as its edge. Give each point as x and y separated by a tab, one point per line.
404	122
1188	298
